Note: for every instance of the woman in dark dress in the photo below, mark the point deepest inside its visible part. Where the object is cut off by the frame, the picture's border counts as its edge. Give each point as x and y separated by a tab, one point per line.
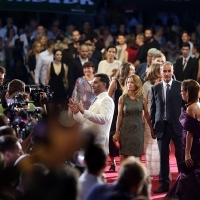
56	77
115	91
187	185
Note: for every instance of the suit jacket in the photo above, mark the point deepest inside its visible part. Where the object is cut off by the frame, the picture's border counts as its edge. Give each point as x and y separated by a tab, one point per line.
157	109
97	119
141	69
190	71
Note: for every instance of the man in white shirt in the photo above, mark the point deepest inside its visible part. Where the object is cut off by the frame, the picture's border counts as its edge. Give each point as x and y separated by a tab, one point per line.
98	117
44	59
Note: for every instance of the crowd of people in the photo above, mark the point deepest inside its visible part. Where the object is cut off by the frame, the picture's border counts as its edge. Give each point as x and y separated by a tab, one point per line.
123	95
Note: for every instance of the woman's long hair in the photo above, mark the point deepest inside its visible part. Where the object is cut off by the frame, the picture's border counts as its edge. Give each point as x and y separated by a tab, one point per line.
138	86
192	88
123	73
153	73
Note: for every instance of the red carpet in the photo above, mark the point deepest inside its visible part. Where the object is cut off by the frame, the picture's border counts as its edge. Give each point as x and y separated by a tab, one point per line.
111	177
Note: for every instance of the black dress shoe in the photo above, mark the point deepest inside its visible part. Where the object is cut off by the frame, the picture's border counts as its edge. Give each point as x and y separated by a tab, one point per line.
161	190
112	168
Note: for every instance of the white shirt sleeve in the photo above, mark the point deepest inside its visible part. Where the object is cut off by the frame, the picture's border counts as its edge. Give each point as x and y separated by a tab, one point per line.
79	118
38	68
105	112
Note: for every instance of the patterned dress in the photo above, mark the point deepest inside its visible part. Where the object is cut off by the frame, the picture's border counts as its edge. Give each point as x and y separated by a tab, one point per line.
83	92
132	127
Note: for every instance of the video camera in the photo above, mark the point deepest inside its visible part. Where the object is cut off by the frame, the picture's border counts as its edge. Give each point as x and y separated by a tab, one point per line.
35	92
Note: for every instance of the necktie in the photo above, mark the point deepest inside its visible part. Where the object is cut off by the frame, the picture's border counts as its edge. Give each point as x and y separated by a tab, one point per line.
167	103
184	64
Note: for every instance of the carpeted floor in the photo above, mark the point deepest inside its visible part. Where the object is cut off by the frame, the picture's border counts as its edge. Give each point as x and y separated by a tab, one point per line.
111	177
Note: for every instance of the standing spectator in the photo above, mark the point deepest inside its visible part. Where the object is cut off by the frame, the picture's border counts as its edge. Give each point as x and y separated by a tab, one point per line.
75	39
93	39
42	39
44	59
83	88
86	31
151	151
106	66
196	53
55	78
172	47
29	29
131	49
131	105
186	39
140	56
68	31
107	37
54	31
149	42
166	103
90	56
10	38
35	51
186	67
10	24
39	31
158	36
115	91
193	38
121	47
142	68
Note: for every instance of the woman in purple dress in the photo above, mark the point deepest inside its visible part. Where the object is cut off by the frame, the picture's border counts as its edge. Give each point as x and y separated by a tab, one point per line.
187	185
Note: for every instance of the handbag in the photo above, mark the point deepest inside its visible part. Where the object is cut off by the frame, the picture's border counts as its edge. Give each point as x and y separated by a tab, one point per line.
184	169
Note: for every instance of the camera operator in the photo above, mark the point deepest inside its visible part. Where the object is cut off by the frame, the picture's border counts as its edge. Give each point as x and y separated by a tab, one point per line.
17	86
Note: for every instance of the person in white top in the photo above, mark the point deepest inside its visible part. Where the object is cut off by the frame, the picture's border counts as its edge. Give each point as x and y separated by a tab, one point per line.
106	66
97	119
121	47
44	59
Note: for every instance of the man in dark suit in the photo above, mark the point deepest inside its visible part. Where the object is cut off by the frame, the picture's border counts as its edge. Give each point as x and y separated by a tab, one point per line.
166	103
186	67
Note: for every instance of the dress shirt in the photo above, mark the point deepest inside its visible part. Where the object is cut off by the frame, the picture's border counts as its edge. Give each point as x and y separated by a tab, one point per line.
83	60
185	63
164	92
86	181
44	59
97	119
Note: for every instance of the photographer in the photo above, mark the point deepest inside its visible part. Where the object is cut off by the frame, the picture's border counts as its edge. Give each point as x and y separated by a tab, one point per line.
17	87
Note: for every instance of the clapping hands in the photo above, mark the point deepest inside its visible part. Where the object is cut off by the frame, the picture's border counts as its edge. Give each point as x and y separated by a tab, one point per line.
75	106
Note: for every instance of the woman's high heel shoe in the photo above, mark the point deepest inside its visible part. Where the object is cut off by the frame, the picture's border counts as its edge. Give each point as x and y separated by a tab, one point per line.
112	168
